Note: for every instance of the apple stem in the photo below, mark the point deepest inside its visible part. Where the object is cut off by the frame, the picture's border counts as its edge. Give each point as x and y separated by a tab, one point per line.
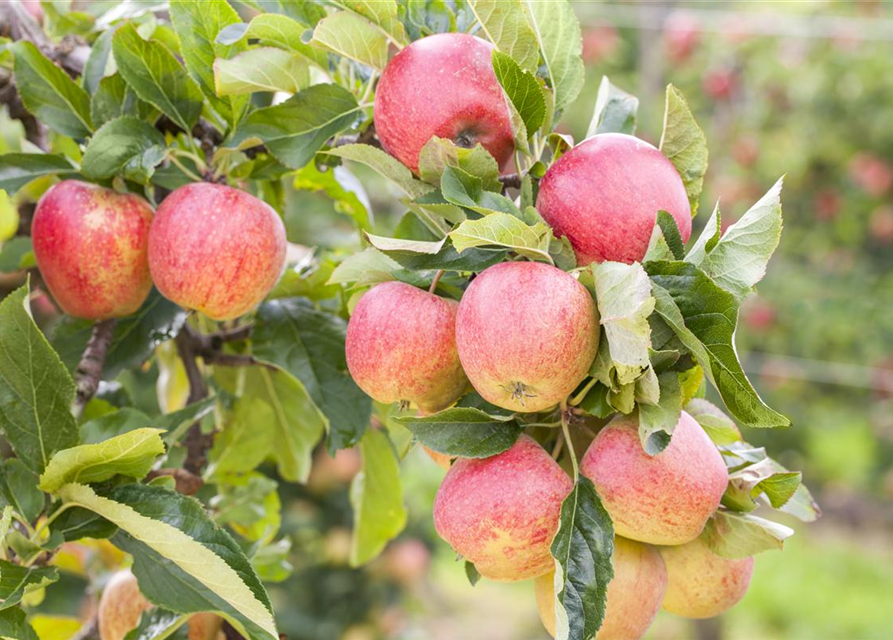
567	438
434	282
559	444
577	399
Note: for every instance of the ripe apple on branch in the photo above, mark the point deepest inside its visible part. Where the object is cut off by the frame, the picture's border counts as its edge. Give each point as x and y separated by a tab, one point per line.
534	321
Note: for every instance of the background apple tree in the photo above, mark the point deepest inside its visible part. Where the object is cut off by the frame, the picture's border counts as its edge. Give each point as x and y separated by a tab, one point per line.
147	97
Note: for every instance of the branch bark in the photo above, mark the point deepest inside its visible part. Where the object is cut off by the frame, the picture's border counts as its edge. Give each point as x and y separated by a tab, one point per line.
89	370
196	442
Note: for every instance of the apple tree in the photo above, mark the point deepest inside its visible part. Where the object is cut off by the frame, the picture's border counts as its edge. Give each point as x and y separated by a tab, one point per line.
538	319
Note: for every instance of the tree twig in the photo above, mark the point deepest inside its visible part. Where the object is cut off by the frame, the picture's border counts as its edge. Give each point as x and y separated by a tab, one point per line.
187	482
511	181
89	630
196	442
89	370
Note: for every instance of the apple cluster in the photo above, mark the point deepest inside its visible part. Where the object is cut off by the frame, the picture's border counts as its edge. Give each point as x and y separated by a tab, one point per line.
208	247
523	336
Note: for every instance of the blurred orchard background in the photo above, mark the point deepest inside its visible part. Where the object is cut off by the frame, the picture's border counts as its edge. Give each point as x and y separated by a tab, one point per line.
804	88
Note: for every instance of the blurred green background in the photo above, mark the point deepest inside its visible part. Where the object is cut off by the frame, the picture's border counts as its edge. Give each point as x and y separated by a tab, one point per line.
803	89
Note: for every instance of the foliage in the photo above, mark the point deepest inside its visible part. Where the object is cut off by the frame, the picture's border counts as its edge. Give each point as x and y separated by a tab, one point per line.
228	409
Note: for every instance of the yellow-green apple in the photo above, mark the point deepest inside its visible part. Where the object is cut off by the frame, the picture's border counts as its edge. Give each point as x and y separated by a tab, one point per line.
604	195
401	346
634	595
702	584
662	499
527	334
501	512
444	86
442	460
216	249
122	603
91	248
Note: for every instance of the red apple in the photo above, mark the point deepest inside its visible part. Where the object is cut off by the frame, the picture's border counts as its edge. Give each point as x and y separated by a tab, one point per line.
872	174
746	150
216	249
682	34
701	584
599	42
828	204
634	595
122	604
720	83
444	86
401	346
527	334
91	248
502	512
662	499
604	196
880	225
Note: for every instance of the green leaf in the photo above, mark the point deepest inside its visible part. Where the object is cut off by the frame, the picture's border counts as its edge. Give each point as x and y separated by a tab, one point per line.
595	402
197	25
249	504
18	169
439	153
671	235
733	535
561	43
522	89
717	424
446	258
182	560
471	572
354	37
36	392
261	69
464	432
156	623
657	421
623	292
276	418
16	582
710	316
14	624
285	33
615	110
399	245
114	98
306	12
738	260
133	341
370	266
504	230
50	94
296	129
801	505
685	145
18	487
131	454
113	424
506	24
153	72
385	165
382	13
582	549
747	484
341	187
126	145
309	344
15	254
76	523
98	62
377	499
